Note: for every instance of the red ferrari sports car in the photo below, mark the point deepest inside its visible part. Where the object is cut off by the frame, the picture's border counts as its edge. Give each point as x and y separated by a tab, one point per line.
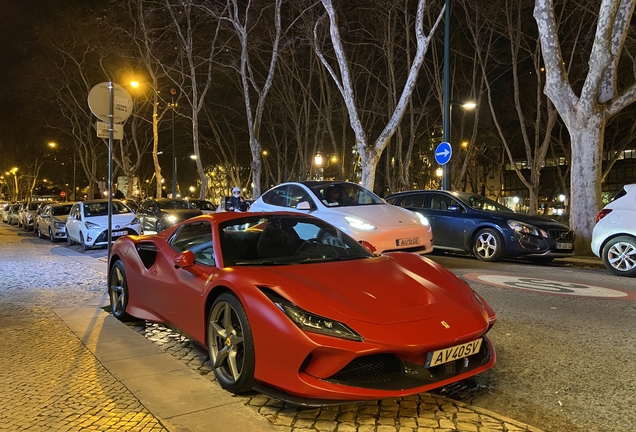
289	305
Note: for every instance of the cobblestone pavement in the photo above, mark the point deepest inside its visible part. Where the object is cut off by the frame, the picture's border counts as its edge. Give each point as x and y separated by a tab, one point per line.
50	381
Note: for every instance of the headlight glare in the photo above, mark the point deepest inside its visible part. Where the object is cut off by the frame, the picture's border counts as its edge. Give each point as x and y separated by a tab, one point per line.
421	218
171	219
359	224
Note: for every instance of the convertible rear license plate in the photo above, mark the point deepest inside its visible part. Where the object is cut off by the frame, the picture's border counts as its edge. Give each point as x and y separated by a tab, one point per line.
453	353
119	233
564	245
407	241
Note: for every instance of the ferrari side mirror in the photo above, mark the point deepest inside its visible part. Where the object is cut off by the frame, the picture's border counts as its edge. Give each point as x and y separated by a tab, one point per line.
185	260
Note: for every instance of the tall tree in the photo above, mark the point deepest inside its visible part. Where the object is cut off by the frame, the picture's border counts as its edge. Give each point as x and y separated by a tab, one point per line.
370	153
586	113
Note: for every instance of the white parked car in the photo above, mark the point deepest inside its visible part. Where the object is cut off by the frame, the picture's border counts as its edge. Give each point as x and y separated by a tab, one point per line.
87	223
614	235
354	209
51	222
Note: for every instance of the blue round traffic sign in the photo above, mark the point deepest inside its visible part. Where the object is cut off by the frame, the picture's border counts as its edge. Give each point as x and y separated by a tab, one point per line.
443	153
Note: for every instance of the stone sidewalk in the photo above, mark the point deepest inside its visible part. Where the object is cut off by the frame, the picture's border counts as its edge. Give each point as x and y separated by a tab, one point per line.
67	365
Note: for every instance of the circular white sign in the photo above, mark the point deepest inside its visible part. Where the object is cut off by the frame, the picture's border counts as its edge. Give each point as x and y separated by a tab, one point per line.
551	286
99	102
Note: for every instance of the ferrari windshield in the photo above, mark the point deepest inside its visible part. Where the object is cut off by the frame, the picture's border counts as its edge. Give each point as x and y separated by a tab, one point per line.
344	194
281	240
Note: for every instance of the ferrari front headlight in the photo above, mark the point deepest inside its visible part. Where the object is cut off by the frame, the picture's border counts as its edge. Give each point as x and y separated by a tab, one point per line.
317	324
311	322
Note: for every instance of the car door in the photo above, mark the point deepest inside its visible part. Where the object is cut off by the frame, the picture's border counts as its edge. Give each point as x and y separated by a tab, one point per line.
73	222
181	300
445	214
144	213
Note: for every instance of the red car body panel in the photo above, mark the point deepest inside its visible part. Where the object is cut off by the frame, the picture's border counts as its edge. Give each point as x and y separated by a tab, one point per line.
402	304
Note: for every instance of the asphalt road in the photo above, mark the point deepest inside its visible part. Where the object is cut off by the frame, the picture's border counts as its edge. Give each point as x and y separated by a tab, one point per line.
565	354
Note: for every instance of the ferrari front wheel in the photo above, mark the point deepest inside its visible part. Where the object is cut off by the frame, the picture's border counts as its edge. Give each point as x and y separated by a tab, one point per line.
230	344
118	292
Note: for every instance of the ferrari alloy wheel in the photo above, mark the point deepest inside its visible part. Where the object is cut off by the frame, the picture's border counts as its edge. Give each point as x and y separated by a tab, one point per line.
230	344
619	256
488	245
118	292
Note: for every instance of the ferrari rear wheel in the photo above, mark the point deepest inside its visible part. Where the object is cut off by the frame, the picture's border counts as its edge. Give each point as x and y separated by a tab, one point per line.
230	344
118	292
488	245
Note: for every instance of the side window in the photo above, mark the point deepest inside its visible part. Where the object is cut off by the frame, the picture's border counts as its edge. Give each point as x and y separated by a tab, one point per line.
197	238
276	197
440	202
298	195
75	211
413	200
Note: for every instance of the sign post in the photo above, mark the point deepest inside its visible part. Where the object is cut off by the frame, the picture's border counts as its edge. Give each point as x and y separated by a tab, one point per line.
111	103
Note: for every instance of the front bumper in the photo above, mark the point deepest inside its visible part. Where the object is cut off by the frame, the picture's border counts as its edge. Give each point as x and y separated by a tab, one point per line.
559	244
101	238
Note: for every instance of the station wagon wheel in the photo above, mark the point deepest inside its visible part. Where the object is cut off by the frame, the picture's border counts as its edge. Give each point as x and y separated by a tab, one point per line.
488	245
230	344
118	291
619	256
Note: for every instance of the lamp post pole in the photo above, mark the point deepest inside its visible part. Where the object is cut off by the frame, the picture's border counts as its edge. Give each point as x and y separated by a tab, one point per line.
74	170
446	183
174	151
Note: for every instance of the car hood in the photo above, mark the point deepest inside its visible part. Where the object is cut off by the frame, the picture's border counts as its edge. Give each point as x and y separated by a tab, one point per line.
61	218
377	214
416	289
537	221
118	219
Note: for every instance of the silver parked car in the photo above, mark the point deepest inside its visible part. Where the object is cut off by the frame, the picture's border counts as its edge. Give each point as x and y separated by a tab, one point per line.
51	222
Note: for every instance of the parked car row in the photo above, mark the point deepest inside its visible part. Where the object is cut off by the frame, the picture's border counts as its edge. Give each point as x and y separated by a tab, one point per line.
411	221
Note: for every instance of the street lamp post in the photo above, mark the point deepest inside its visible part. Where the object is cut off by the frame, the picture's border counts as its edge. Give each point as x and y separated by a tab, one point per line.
174	150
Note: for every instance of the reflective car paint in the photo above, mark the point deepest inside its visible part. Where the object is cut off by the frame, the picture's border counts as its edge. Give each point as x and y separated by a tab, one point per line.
402	304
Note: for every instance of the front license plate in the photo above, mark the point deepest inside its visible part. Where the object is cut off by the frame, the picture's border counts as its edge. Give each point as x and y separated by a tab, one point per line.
453	353
407	241
564	245
119	233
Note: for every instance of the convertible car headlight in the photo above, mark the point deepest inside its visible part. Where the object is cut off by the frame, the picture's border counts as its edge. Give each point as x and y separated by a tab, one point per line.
91	225
312	322
522	228
421	218
359	224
